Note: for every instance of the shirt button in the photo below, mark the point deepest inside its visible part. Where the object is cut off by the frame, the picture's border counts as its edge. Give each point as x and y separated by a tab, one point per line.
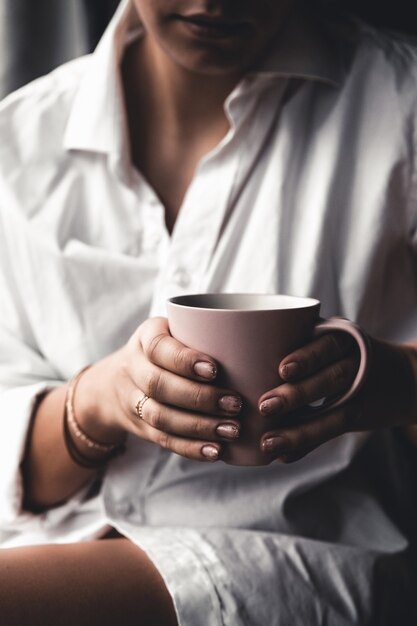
138	518
123	508
181	277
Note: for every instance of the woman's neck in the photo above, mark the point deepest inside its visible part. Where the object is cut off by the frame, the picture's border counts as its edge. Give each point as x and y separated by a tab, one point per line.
180	102
175	118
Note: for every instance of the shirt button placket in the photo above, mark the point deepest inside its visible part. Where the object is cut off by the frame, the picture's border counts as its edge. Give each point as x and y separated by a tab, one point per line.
123	508
181	277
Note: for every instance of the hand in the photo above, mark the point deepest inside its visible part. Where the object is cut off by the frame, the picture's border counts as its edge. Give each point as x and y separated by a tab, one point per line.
184	413
324	368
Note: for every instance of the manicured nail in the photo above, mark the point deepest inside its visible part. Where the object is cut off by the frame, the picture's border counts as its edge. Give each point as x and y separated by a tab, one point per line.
210	452
228	431
205	370
275	444
231	404
290	370
272	405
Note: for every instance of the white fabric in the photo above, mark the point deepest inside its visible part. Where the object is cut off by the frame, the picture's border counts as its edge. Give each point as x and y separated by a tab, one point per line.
313	192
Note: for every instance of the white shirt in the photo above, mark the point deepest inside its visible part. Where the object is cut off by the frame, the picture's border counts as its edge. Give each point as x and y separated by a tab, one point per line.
313	192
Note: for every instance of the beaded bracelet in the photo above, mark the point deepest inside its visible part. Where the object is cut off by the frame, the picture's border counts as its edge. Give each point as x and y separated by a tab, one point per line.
72	427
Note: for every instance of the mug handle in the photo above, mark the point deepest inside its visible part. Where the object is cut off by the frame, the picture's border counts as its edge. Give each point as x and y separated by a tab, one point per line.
340	324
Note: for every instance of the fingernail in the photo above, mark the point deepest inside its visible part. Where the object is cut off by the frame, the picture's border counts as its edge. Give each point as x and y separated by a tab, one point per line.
231	404
275	444
272	405
205	370
228	431
290	370
210	452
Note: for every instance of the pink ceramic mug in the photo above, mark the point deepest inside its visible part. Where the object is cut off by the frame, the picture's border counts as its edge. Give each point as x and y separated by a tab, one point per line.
248	335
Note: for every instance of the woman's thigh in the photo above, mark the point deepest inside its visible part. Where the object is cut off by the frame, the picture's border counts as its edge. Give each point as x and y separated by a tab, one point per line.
107	582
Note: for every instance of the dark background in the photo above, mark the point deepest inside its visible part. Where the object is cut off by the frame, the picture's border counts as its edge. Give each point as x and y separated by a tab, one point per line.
400	15
38	35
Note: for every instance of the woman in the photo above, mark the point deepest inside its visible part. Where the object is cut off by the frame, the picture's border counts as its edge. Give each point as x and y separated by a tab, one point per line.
206	146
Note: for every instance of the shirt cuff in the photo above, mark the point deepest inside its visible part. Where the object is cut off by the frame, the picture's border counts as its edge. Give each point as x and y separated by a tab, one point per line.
78	518
16	408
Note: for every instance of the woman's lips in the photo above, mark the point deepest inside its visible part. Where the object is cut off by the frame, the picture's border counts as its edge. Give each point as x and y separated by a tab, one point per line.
209	27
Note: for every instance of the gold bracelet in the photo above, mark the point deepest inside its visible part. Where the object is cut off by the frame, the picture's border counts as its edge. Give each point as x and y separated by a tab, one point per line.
71	425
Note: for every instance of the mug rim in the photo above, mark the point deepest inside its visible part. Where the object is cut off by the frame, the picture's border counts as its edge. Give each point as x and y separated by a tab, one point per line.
185	301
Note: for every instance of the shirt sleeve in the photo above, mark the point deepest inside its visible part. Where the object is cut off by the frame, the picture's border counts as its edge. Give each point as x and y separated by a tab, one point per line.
16	407
406	328
412	195
25	373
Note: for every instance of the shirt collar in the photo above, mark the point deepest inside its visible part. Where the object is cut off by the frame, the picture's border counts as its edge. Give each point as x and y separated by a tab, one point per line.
306	50
97	120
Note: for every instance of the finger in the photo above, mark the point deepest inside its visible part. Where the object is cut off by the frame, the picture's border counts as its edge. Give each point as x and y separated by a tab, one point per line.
163	350
195	449
191	449
291	444
331	381
172	389
182	424
316	355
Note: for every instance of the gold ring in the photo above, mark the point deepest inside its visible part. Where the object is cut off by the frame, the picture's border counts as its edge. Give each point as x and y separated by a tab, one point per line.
139	406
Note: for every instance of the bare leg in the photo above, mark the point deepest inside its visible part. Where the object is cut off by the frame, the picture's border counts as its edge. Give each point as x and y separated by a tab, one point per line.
103	583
